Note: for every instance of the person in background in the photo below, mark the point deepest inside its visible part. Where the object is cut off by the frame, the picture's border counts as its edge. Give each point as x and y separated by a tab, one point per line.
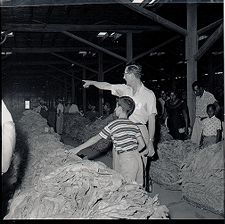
74	109
162	100
106	109
8	138
67	107
203	99
59	117
145	108
211	127
178	120
127	141
42	109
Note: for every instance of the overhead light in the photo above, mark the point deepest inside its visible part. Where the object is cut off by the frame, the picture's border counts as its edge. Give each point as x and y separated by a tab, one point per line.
157	53
161	69
112	34
217	52
154	80
202	37
137	1
82	52
206	74
218	73
10	34
102	34
6	53
72	65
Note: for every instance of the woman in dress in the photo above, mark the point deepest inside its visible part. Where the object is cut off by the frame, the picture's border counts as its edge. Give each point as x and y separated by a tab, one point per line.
177	116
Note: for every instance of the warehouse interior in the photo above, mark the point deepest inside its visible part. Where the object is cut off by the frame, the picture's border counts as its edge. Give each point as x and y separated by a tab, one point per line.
49	47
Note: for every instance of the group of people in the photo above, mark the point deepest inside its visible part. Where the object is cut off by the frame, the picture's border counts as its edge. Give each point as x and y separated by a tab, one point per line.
174	114
132	133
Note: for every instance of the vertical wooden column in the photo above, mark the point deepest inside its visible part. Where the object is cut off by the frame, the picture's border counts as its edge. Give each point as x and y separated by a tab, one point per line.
129	47
65	88
210	74
73	89
100	78
191	43
84	91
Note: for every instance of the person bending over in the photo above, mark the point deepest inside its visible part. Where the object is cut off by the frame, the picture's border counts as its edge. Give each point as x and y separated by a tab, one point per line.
127	142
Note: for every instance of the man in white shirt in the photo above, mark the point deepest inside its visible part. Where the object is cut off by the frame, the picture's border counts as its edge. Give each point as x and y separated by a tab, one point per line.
145	105
203	99
8	138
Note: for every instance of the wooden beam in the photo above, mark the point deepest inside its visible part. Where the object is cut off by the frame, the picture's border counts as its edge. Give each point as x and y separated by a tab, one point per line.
156	48
66	73
73	88
71	27
210	26
94	46
113	67
74	62
84	92
209	42
100	79
191	45
154	17
50	75
41	50
129	49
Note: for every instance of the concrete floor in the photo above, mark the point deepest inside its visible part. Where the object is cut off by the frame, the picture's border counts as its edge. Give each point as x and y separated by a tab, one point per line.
178	207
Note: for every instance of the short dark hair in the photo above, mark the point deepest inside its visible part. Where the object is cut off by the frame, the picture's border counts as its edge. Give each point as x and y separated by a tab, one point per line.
212	106
197	83
127	104
136	69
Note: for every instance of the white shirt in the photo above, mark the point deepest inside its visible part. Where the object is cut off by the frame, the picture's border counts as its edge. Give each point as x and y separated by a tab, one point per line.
73	109
144	98
59	108
210	126
202	102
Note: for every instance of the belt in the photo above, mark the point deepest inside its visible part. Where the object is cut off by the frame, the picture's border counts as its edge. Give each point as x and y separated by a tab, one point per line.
122	151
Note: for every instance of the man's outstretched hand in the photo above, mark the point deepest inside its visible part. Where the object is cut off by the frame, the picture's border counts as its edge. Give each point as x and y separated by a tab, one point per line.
87	83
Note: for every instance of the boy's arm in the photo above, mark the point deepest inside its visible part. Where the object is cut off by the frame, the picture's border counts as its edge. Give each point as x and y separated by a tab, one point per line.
99	85
86	144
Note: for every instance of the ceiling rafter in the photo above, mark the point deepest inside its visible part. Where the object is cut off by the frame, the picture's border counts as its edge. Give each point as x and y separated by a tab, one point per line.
154	17
94	45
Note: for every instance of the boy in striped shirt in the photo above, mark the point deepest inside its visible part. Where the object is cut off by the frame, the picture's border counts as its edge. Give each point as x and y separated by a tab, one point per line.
127	142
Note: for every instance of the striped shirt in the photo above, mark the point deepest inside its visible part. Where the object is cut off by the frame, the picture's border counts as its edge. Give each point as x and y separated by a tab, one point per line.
124	134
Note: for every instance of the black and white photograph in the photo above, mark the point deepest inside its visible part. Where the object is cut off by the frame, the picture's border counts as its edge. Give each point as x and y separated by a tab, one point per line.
112	110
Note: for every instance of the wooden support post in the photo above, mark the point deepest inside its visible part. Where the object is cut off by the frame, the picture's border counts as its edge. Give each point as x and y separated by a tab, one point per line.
191	42
65	88
100	78
73	90
129	47
84	93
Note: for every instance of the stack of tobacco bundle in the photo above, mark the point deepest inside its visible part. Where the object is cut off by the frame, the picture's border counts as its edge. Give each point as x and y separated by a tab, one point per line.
87	190
203	178
164	134
166	170
74	125
61	185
